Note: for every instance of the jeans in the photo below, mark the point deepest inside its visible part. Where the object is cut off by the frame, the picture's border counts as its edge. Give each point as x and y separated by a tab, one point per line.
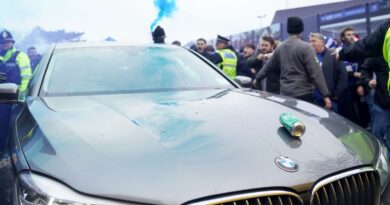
370	102
381	124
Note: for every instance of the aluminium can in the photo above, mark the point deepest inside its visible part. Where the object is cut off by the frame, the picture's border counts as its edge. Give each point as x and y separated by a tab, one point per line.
293	125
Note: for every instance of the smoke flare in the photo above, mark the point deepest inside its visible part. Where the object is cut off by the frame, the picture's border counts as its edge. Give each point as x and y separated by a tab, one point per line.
165	9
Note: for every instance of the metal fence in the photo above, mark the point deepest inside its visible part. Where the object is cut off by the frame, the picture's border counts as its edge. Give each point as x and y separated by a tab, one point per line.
334	30
362	18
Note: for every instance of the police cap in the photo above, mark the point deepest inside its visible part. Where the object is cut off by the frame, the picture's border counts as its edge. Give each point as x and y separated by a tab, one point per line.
6	36
222	39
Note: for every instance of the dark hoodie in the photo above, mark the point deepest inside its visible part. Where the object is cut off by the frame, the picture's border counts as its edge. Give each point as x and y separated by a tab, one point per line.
380	68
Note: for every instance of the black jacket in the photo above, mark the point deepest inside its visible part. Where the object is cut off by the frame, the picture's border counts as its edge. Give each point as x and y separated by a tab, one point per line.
370	46
255	63
380	68
272	83
336	76
299	71
243	69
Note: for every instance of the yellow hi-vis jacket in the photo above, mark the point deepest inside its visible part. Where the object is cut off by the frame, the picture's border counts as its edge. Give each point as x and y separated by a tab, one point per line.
229	62
22	63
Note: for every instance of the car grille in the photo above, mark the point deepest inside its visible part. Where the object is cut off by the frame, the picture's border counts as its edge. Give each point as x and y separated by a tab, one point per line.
258	198
356	187
271	200
359	187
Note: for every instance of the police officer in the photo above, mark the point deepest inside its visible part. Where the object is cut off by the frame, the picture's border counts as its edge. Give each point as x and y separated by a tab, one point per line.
14	68
159	35
225	58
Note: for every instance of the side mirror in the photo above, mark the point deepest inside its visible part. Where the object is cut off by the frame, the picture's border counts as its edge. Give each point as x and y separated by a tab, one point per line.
9	93
244	81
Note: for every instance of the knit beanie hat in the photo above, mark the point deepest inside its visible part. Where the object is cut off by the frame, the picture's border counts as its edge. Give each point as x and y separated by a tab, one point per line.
158	35
294	25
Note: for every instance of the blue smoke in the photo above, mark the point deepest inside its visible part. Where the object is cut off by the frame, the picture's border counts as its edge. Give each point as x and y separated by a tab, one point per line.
165	9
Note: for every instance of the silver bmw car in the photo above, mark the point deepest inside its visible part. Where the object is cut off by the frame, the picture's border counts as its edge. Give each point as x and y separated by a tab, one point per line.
111	123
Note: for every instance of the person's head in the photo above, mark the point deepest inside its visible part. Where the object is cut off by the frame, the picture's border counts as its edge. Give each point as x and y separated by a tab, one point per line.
294	25
6	40
222	42
201	44
32	52
249	49
317	40
158	35
267	44
347	35
177	43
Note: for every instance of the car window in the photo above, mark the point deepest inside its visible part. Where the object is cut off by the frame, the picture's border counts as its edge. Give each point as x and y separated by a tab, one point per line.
36	74
128	69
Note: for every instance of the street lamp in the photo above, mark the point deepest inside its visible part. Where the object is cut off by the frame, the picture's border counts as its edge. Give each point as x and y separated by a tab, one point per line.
261	17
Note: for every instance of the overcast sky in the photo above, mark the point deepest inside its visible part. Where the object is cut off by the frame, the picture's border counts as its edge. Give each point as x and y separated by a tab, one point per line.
129	20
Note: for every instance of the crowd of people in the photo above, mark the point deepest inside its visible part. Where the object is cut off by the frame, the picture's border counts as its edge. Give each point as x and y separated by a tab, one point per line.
354	84
316	77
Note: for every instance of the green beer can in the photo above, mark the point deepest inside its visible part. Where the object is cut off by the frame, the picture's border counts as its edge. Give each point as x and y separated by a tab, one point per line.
294	126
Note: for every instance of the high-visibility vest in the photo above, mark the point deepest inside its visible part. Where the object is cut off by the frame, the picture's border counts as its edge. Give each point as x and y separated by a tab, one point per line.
16	65
11	69
386	55
229	62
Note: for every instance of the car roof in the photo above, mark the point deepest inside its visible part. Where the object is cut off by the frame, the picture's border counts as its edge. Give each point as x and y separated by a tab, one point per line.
109	44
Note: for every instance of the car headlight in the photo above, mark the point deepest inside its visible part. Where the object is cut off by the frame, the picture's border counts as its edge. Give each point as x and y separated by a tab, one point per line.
32	189
382	166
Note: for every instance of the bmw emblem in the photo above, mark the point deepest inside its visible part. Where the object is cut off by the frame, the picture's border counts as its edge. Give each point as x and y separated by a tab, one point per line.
286	164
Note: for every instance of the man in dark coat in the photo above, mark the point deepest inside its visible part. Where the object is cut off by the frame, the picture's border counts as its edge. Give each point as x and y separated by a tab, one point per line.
353	106
299	71
335	73
248	52
266	49
381	106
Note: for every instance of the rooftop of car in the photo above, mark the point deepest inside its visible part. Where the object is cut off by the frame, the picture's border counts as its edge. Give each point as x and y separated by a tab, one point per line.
109	44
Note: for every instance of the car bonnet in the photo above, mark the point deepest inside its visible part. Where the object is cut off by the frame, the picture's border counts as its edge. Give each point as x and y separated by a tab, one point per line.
171	147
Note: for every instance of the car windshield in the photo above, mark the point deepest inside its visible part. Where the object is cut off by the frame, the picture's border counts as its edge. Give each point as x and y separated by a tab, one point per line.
105	70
